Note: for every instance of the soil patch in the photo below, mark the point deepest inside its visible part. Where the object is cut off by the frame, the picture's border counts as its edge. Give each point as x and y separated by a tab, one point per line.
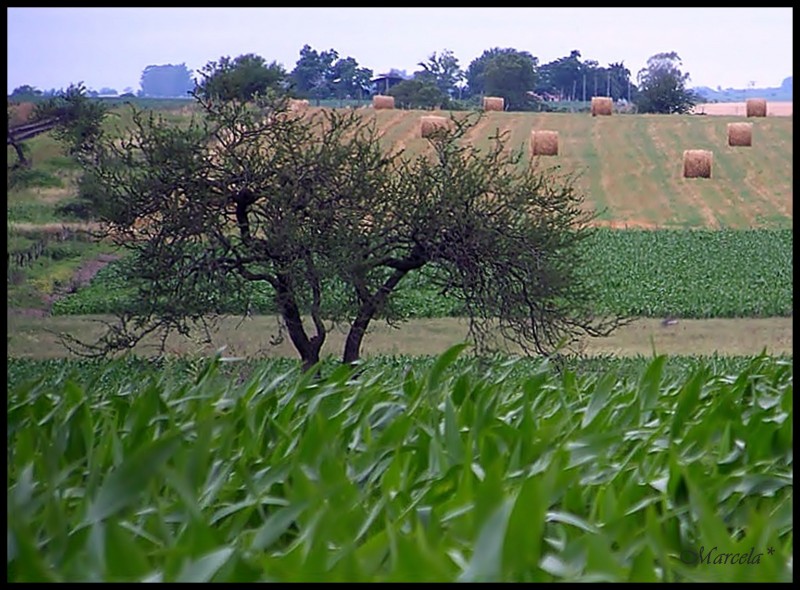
80	278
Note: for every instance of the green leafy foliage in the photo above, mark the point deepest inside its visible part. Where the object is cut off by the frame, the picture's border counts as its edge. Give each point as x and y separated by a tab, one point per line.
694	274
400	469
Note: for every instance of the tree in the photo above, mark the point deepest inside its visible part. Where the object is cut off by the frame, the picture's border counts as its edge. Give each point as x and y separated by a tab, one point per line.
166	81
564	76
511	76
417	94
312	75
504	72
21	151
252	194
79	128
443	71
349	80
662	86
475	70
25	92
241	78
79	119
620	82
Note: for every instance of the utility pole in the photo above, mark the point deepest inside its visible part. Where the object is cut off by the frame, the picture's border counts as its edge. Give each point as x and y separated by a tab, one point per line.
584	87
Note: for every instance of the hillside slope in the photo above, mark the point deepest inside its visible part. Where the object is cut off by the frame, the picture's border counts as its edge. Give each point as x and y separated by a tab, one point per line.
631	166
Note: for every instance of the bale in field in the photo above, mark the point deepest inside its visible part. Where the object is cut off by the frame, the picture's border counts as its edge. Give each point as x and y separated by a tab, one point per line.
430	123
697	163
493	103
544	143
380	101
296	104
756	107
602	105
740	134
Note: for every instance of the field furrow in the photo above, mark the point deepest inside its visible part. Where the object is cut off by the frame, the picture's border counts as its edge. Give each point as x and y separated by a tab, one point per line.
769	177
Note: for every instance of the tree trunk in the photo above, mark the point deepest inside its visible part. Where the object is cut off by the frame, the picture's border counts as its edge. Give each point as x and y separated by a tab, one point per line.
352	346
22	162
308	348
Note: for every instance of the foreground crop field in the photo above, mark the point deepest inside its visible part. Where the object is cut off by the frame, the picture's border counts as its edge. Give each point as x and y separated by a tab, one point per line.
408	470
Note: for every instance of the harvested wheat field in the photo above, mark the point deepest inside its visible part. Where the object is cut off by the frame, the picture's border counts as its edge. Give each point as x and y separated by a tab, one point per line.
739	109
630	167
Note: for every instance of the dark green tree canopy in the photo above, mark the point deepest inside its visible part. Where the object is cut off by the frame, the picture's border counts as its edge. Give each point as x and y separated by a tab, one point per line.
620	82
563	76
662	86
418	94
476	68
311	77
571	78
167	81
241	78
349	80
321	75
79	119
512	76
25	92
508	73
443	71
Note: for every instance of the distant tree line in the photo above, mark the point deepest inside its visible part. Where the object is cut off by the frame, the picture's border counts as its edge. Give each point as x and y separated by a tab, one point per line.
441	82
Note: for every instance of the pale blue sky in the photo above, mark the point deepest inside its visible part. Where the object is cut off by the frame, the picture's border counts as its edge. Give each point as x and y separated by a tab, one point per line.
727	47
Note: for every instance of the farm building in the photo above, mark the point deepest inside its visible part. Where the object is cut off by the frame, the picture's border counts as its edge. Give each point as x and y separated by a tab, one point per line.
383	82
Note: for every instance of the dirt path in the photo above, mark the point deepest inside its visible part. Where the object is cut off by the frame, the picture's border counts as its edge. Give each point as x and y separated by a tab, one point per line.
80	278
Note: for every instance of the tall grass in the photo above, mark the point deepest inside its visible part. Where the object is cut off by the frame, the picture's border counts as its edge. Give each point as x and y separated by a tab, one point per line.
443	470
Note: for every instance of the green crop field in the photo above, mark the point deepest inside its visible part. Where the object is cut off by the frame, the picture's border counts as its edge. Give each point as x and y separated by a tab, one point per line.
440	465
442	471
697	274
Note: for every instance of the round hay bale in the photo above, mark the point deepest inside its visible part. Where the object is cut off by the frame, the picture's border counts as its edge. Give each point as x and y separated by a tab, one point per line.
544	143
380	101
740	134
494	103
756	107
697	163
430	123
602	105
296	104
